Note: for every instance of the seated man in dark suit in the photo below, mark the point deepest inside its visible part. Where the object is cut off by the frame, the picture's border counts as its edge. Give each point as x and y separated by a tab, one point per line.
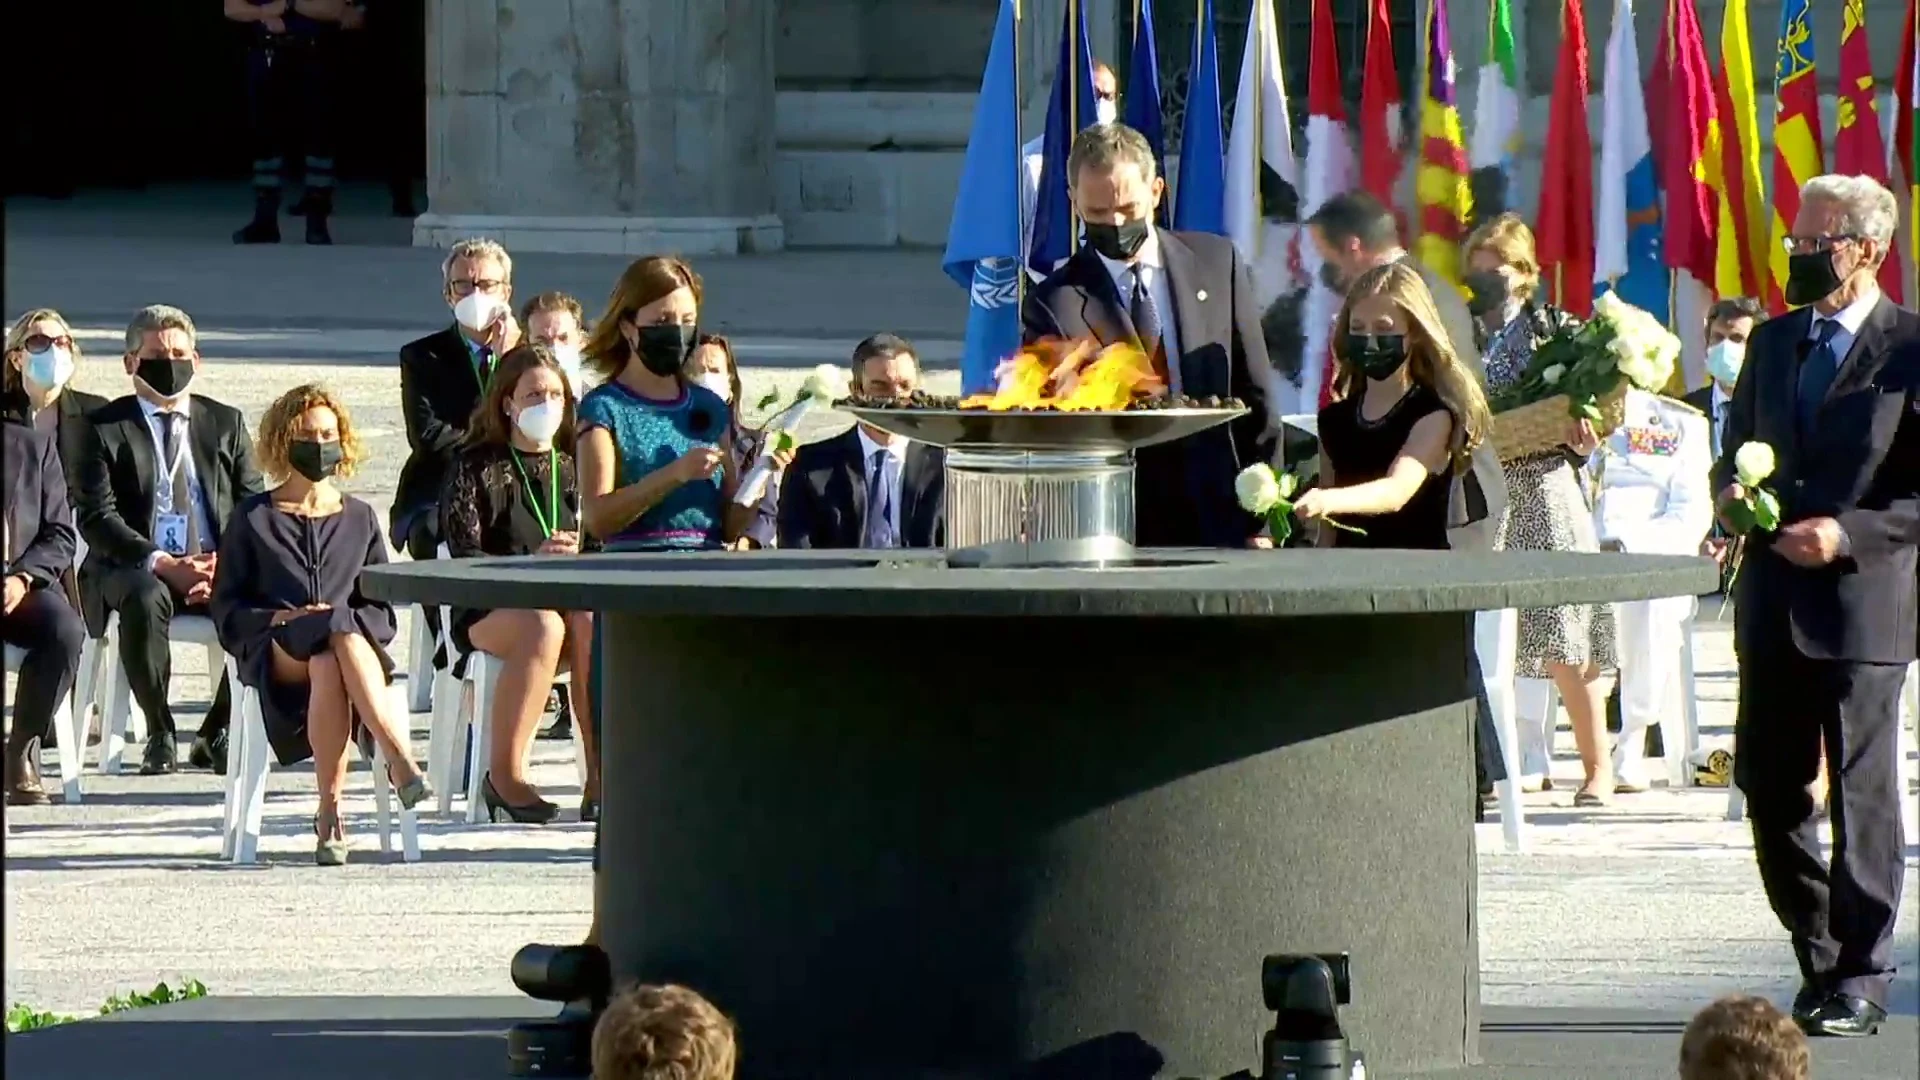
442	377
1188	300
162	471
37	551
868	488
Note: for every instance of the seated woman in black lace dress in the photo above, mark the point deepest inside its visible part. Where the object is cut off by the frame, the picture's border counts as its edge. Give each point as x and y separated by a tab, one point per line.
513	491
288	607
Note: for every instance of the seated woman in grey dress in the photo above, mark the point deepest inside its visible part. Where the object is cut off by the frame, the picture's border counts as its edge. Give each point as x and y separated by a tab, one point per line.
288	606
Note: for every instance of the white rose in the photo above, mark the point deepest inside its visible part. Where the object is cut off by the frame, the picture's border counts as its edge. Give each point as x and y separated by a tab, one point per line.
1551	376
1257	488
827	384
1609	306
1642	371
1753	463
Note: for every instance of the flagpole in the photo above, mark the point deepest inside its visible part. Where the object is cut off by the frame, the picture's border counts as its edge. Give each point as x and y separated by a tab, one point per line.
1073	115
1260	9
1019	171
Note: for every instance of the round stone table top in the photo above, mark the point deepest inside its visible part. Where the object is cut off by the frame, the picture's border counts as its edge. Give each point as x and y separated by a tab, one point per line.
1161	583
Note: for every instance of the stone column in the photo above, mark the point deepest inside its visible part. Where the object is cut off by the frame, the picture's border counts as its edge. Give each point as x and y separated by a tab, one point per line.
603	126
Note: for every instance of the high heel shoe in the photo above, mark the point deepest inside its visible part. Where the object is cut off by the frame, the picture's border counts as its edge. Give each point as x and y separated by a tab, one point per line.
538	812
589	808
412	793
328	850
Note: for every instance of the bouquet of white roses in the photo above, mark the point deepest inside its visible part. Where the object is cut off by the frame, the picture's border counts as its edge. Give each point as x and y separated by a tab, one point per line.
1581	370
823	386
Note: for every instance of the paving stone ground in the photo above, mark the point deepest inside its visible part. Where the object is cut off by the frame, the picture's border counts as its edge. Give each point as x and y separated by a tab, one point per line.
1651	903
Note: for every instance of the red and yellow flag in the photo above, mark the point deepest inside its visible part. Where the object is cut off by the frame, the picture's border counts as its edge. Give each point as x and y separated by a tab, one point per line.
1858	149
1906	82
1446	202
1796	135
1681	123
1563	230
1740	265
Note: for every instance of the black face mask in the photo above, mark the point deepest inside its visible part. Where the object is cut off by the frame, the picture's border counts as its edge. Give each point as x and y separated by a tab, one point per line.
663	347
1488	292
1330	277
314	460
1378	355
1810	277
164	375
1118	242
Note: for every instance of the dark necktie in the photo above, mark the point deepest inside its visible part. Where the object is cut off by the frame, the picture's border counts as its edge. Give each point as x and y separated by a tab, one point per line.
879	530
1817	372
172	435
1146	324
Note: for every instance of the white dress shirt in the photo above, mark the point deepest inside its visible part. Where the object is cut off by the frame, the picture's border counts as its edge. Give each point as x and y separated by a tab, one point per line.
163	477
895	464
1851	318
1149	261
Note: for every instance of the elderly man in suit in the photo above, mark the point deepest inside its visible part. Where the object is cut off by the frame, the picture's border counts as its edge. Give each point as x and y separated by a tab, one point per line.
1187	299
36	548
868	488
442	377
163	469
1824	624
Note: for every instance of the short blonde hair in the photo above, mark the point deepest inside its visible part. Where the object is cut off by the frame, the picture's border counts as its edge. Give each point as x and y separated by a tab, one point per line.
17	341
279	423
663	1033
1509	240
1743	1038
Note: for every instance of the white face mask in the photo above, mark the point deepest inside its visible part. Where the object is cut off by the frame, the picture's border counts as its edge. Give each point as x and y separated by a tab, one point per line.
716	382
1106	111
1723	362
476	310
49	369
540	422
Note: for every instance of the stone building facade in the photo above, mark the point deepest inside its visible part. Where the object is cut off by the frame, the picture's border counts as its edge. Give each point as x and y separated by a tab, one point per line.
722	126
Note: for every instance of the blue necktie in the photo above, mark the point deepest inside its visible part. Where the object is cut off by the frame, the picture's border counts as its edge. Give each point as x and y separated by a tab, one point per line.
1146	323
879	524
1817	372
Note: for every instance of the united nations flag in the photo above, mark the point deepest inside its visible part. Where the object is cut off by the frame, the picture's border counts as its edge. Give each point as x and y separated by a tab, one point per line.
983	240
996	282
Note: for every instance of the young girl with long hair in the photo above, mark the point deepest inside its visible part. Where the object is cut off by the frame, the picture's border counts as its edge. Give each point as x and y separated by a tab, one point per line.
1406	417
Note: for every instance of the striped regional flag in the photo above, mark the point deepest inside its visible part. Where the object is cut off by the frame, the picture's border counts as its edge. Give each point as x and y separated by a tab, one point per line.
1445	200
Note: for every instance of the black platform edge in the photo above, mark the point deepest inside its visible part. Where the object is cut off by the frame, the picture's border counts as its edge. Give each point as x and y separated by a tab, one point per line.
1209	583
413	1038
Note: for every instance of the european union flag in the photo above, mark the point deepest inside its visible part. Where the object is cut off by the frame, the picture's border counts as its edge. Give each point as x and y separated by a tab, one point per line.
1069	109
1200	205
1143	92
983	239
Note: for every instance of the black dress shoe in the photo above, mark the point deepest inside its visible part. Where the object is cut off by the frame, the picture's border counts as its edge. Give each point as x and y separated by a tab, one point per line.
160	756
1844	1016
1807	1001
209	754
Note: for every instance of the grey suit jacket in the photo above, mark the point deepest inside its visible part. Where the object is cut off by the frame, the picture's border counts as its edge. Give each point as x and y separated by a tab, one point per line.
1478	498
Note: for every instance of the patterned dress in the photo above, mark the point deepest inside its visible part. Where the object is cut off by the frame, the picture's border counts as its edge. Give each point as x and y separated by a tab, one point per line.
1547	511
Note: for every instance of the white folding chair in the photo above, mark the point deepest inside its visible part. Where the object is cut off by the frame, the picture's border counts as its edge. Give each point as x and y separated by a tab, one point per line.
1906	756
1495	634
461	711
69	726
248	763
121	720
420	669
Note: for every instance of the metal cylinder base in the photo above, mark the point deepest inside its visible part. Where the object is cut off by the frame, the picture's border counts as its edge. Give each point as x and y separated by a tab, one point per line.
1041	507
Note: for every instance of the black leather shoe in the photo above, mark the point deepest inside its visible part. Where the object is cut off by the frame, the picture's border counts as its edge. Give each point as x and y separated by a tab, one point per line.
1847	1017
209	754
1807	1001
160	755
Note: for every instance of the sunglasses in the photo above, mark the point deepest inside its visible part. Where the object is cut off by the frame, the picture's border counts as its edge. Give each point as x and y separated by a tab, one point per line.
43	342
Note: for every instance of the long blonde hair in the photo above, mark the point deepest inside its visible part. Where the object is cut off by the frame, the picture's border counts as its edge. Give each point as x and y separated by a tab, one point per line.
1431	360
17	343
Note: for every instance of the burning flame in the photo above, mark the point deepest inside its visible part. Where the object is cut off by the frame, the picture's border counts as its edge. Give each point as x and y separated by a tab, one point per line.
1070	377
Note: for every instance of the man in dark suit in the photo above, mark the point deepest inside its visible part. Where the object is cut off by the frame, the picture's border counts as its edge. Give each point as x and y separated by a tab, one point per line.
1730	325
1824	623
868	488
37	552
442	378
1188	300
162	470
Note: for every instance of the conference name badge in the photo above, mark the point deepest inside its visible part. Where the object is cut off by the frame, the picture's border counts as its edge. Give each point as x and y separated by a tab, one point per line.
170	533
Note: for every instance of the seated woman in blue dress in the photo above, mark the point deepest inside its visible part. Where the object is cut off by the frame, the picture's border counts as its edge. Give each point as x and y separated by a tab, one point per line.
288	607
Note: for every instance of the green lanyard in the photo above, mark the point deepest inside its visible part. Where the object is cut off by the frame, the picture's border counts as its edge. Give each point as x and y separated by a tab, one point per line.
547	521
480	380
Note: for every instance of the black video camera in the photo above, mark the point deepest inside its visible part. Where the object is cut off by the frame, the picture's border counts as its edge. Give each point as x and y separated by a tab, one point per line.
578	975
1305	993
